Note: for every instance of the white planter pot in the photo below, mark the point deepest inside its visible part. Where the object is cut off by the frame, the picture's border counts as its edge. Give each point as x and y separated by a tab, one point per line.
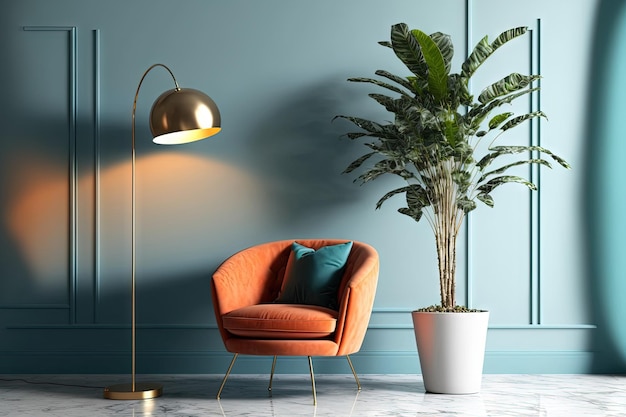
451	349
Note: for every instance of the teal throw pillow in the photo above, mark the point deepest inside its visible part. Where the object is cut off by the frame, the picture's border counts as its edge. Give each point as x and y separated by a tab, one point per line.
313	276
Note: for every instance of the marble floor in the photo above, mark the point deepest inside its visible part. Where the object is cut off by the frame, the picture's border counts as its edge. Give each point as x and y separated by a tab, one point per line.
382	395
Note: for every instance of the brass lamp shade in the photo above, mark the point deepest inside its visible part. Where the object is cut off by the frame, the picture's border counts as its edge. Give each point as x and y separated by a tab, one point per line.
183	115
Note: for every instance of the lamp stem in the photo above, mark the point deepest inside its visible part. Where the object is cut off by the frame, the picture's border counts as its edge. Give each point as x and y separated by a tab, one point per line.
133	302
133	296
133	291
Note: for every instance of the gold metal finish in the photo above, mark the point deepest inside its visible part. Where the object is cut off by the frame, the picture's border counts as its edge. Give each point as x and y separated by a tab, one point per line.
182	116
269	388
312	380
358	383
140	391
272	375
177	116
232	362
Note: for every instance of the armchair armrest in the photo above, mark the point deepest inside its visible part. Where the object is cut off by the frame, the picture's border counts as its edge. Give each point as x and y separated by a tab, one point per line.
251	276
357	298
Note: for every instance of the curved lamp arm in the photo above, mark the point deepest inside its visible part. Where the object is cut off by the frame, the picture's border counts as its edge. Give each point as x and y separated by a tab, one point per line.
137	94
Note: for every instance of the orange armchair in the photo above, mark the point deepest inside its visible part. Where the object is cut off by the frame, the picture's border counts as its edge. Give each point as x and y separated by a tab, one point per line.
245	287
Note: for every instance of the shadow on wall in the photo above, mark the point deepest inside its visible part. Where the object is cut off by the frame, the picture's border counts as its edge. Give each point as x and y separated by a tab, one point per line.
173	299
301	153
605	201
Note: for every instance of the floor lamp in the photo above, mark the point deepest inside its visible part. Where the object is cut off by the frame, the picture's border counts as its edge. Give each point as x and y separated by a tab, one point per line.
180	115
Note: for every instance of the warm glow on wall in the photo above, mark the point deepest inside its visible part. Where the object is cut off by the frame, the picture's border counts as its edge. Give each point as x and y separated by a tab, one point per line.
184	202
38	218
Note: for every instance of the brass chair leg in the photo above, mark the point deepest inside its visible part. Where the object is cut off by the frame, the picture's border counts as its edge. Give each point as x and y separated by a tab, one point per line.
312	380
232	363
269	388
358	383
226	376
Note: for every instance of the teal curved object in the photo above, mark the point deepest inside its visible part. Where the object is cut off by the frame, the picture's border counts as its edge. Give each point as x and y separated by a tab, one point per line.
605	192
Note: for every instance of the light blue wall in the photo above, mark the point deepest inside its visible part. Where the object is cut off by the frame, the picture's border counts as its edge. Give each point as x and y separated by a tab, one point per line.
278	71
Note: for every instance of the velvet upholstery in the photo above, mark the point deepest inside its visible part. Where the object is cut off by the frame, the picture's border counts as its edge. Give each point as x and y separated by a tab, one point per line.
281	321
245	285
313	276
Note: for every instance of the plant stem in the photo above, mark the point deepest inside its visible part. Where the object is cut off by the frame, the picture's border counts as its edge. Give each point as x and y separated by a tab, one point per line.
446	230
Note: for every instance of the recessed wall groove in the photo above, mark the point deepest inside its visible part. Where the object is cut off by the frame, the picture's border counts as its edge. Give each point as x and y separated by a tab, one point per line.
534	173
96	174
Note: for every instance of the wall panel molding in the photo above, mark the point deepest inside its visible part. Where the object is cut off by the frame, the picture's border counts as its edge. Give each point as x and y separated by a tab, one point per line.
72	172
534	175
35	307
97	172
182	326
213	362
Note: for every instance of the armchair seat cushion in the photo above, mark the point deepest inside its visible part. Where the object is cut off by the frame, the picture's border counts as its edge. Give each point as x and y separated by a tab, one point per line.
281	321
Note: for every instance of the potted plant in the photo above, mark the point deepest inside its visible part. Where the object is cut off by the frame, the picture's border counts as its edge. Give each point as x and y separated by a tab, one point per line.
432	144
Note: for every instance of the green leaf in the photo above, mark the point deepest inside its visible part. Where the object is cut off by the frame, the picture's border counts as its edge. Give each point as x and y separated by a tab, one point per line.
507	35
389	195
498	119
451	131
505	168
412	213
437	74
416	196
465	204
417	199
461	177
358	162
369	175
387	102
388	132
480	111
462	180
356	135
519	119
378	83
498	151
402	81
403	108
485	198
483	50
407	49
488	187
368	125
394	166
444	43
479	54
506	85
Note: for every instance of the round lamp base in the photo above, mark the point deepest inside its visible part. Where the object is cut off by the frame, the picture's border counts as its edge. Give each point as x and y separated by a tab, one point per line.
142	391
